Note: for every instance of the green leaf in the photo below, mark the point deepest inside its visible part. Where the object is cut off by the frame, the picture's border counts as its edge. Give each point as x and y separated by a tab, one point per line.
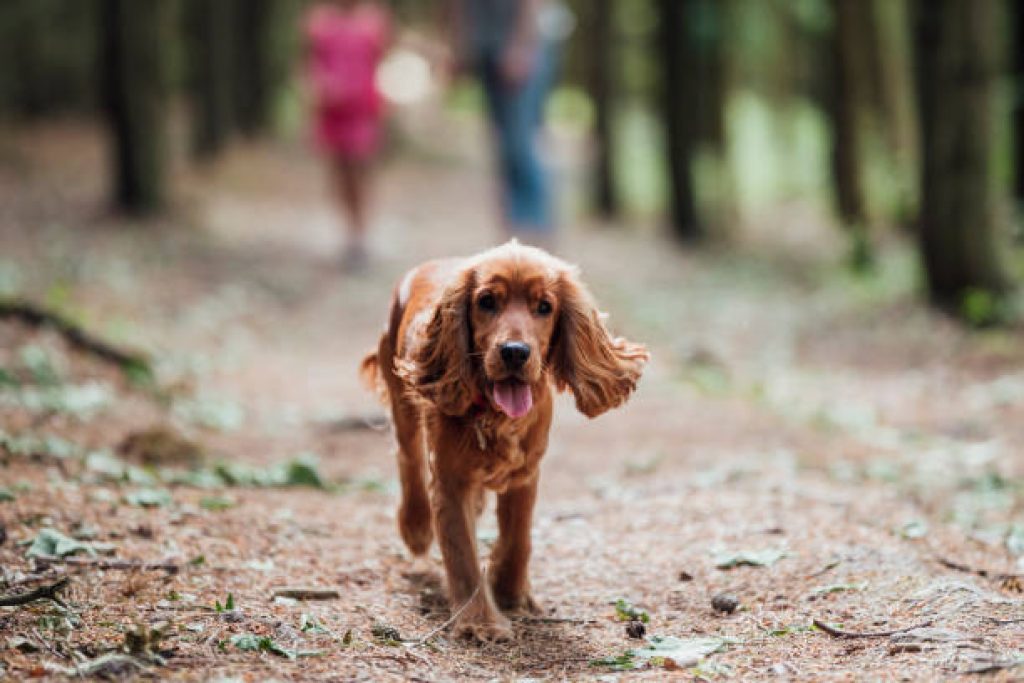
149	498
309	624
52	543
107	465
623	662
683	652
1014	540
624	611
914	529
219	414
216	503
40	365
253	643
749	558
6	495
660	650
303	472
839	588
229	604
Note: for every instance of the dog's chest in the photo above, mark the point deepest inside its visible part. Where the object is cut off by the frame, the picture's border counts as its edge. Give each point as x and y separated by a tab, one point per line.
504	462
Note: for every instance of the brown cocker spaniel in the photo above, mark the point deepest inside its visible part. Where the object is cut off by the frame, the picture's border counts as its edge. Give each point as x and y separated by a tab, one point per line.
467	361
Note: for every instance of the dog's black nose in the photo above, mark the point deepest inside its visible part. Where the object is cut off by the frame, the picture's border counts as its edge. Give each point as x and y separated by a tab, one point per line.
514	354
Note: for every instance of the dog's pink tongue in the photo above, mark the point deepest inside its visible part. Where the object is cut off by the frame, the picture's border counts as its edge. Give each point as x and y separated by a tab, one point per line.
513	397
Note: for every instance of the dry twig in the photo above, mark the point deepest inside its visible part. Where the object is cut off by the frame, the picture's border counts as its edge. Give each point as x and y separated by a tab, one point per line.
839	633
38	316
306	593
983	573
554	620
447	623
108	563
42	593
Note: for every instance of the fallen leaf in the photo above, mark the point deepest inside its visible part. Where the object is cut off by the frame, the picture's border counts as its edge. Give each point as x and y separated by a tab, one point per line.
749	558
149	498
52	543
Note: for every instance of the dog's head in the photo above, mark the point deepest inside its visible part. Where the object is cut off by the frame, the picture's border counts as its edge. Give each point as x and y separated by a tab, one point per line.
513	319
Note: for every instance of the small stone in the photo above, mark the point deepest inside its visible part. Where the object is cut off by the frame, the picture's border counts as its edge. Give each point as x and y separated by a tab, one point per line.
685	576
725	603
636	629
386	632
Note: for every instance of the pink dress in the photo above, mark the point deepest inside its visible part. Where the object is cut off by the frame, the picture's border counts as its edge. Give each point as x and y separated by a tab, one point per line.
344	50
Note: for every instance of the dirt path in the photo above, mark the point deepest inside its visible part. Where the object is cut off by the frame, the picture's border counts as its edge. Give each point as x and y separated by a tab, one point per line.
826	427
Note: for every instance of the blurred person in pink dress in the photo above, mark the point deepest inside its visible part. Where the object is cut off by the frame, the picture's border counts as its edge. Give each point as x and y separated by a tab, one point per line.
346	40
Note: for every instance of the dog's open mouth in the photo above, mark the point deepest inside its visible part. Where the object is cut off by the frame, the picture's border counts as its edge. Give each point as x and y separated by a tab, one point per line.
513	396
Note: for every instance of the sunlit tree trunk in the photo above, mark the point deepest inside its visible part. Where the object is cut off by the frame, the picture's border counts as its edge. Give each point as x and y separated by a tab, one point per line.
135	45
679	65
961	53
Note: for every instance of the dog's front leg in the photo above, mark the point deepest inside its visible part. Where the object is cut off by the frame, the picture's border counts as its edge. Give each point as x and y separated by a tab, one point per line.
511	556
470	597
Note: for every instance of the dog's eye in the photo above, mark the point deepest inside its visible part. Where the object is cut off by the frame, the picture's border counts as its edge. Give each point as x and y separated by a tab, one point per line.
544	307
487	302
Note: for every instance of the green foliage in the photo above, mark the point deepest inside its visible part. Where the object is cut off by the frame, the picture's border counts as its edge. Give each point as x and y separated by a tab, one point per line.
624	611
983	308
228	605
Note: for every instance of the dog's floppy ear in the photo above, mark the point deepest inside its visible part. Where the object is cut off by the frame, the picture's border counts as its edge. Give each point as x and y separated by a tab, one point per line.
441	369
601	370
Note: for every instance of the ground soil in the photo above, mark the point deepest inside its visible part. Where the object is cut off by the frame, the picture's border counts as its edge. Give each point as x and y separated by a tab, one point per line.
789	407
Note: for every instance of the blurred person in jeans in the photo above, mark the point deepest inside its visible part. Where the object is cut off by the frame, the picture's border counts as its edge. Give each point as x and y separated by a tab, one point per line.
510	45
346	40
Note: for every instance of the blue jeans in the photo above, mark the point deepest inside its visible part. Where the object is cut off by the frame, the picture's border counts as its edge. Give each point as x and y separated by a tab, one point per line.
516	115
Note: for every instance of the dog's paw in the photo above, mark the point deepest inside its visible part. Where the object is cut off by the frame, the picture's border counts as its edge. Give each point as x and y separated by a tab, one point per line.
415	526
495	629
521	605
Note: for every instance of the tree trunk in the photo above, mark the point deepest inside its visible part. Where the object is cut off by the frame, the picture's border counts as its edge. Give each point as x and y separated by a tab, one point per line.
960	61
254	68
135	89
602	91
898	106
679	65
707	23
850	89
1018	103
211	29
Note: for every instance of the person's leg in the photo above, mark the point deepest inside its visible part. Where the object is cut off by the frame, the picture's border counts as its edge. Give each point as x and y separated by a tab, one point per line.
352	188
530	208
497	100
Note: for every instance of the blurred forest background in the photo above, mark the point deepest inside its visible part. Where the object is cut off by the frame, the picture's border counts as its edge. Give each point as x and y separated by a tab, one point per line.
809	210
894	120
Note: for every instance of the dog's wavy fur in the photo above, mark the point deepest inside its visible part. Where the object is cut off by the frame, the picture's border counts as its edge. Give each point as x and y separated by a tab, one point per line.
436	365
